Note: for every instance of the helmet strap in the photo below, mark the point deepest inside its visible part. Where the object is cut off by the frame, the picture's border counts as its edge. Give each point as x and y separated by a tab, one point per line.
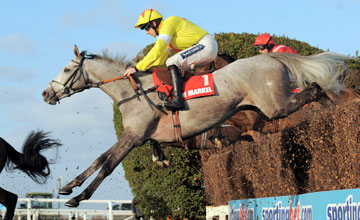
269	46
268	41
151	23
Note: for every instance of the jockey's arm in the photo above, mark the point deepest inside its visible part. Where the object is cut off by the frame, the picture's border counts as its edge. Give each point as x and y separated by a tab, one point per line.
156	56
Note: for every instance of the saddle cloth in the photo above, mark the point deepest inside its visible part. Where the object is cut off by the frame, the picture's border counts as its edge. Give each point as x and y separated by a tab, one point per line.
194	86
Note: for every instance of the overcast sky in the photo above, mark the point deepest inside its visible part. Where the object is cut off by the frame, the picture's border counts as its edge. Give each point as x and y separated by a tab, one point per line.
37	39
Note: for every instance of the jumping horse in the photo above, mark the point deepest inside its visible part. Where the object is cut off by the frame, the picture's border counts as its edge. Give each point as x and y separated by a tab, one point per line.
29	161
247	124
258	83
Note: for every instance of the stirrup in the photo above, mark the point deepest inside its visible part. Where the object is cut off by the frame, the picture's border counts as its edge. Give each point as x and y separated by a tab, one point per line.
170	105
163	105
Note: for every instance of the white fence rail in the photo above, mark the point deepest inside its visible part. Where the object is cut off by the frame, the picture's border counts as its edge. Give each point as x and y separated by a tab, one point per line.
71	213
217	212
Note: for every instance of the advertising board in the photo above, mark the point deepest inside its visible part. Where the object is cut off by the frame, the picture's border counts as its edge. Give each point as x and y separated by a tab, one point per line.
327	205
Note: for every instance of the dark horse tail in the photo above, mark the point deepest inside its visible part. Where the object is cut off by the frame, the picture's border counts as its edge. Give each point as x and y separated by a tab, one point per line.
30	160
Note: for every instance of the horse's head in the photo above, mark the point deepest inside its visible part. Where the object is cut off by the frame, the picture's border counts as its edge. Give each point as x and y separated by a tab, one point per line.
72	79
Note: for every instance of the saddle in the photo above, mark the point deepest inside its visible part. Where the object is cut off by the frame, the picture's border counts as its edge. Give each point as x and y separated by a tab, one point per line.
194	85
199	82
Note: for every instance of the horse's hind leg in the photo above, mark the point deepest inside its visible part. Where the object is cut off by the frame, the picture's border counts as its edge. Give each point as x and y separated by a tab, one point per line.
9	200
219	136
158	156
309	94
79	180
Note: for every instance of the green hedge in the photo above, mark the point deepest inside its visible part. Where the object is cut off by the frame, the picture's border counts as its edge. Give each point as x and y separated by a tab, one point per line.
240	45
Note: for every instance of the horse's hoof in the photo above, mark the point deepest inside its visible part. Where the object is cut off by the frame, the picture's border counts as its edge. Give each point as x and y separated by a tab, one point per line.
65	191
167	163
218	143
159	164
72	203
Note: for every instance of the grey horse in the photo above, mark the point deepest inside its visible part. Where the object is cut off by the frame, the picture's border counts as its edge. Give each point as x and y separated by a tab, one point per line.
260	83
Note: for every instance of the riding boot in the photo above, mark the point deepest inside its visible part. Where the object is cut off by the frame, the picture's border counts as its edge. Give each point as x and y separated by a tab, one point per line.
176	101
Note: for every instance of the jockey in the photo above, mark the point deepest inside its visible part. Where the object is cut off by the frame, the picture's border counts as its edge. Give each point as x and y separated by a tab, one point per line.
194	46
265	44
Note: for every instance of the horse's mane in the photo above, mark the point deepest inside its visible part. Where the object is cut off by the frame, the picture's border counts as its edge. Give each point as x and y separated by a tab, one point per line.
118	60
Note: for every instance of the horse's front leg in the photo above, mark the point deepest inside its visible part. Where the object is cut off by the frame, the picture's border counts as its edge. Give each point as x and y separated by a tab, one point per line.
9	200
120	150
79	180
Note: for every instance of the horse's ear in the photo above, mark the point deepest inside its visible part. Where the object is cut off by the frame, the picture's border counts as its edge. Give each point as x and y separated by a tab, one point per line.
76	51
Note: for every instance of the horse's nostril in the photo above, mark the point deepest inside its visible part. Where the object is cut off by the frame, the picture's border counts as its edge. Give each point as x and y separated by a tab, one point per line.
44	93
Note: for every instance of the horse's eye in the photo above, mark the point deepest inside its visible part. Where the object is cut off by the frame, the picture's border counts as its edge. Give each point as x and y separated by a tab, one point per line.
66	69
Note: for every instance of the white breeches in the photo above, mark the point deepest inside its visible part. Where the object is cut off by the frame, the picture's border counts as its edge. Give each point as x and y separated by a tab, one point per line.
198	55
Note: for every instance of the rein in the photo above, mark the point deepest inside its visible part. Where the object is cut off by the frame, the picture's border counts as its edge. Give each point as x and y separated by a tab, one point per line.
137	85
97	84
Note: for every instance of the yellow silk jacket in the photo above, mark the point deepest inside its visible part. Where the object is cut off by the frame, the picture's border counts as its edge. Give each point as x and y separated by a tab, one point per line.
176	33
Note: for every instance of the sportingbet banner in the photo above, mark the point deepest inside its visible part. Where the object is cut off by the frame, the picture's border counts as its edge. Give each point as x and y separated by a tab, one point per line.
327	205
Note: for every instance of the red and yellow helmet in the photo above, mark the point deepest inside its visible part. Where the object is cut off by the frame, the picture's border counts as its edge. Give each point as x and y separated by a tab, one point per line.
264	39
147	16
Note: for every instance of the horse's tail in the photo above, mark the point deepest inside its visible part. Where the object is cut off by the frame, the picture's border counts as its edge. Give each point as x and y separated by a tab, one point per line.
323	68
30	160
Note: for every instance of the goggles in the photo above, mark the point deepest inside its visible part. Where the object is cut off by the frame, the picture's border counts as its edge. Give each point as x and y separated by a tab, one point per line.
146	26
261	47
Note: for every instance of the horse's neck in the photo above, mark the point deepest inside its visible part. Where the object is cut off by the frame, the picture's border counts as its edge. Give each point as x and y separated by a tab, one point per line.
100	70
